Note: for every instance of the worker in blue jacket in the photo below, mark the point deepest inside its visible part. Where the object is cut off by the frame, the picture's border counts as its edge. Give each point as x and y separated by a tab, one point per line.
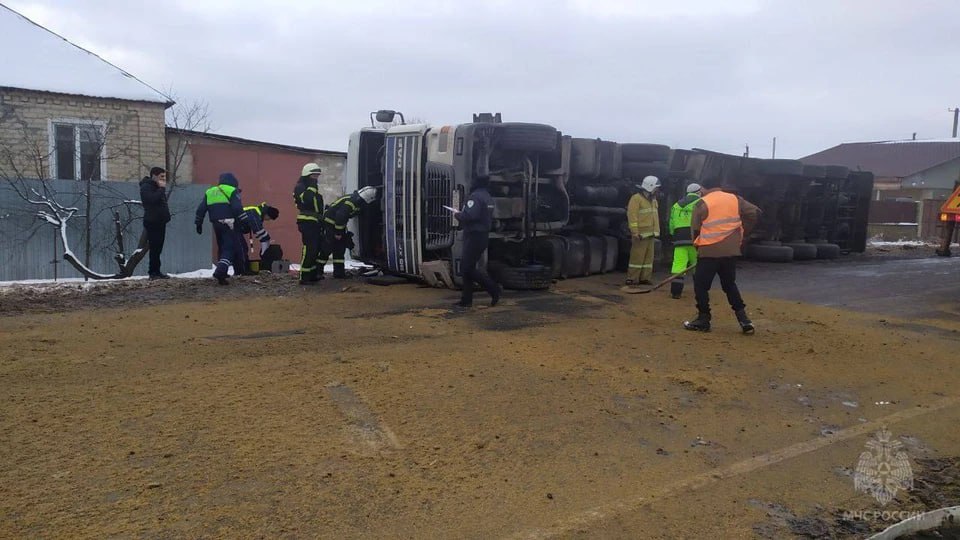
222	203
336	238
476	220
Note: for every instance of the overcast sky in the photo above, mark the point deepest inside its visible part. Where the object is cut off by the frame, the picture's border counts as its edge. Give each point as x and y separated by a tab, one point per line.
689	73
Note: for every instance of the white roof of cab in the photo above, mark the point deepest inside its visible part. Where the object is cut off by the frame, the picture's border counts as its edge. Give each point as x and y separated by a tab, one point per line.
47	62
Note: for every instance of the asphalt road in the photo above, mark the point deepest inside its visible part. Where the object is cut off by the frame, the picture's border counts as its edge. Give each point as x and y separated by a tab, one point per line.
917	285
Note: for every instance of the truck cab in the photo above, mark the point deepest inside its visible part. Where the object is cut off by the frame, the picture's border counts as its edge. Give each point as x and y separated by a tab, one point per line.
420	171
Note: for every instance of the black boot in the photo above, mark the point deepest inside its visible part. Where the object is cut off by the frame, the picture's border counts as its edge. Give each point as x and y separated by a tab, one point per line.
700	324
676	289
746	325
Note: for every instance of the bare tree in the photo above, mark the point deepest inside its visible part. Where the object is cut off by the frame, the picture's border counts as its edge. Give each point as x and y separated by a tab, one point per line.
24	155
185	120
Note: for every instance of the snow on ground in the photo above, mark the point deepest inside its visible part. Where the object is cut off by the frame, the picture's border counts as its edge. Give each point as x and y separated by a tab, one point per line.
876	242
202	273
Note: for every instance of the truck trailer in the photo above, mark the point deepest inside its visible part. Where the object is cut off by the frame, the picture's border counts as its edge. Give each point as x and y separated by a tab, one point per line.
559	201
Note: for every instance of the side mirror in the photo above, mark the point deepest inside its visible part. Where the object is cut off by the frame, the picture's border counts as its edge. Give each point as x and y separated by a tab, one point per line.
385	116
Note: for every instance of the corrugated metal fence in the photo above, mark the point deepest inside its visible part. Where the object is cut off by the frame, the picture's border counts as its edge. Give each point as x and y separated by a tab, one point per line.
29	246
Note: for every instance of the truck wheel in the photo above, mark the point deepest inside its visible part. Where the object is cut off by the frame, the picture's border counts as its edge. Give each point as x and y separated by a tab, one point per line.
802	251
584	158
637	170
644	152
781	166
528	137
815	171
837	172
828	251
524	278
549	250
769	253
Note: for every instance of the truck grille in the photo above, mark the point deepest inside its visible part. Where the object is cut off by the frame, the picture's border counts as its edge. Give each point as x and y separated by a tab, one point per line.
438	192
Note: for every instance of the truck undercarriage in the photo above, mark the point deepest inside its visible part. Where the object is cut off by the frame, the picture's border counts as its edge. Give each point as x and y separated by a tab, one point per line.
559	201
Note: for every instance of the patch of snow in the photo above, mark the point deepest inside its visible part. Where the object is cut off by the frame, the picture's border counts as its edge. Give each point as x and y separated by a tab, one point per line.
349	264
875	242
196	274
50	63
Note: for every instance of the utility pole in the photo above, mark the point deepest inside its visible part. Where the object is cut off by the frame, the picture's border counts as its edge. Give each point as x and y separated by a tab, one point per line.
746	151
774	154
956	116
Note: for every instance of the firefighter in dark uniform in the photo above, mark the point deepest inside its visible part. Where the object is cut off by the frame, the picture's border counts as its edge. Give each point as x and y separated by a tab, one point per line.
222	203
336	238
254	225
309	203
476	219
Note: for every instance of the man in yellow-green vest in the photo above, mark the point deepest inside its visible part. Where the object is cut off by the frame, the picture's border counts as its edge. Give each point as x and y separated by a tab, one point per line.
644	221
222	203
684	252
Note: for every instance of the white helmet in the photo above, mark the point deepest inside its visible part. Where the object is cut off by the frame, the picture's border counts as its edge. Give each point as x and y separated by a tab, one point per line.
368	194
650	183
310	168
694	188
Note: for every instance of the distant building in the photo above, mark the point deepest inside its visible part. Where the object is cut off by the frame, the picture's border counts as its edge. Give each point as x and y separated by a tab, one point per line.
66	113
267	173
912	178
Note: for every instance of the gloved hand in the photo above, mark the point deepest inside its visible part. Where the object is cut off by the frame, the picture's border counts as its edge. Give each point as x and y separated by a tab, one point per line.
200	228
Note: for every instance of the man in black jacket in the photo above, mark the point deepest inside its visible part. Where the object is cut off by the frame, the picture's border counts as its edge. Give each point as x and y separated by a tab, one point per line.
156	215
336	239
476	220
306	195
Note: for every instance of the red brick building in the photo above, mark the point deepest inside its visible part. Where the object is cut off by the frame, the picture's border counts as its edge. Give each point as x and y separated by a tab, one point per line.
267	173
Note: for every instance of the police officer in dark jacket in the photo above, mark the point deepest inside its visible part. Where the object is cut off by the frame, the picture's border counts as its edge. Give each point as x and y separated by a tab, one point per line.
336	239
476	219
156	215
222	203
306	195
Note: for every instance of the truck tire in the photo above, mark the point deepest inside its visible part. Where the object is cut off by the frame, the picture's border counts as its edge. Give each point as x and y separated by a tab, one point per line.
597	248
549	251
828	251
802	251
644	152
836	172
576	259
637	170
531	277
815	171
583	158
769	253
528	137
611	253
610	159
781	166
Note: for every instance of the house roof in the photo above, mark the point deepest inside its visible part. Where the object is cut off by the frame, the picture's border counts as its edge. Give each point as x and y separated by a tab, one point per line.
47	62
896	159
238	140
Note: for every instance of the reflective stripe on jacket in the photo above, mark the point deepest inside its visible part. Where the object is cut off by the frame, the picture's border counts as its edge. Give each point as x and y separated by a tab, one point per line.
681	216
309	202
643	216
723	218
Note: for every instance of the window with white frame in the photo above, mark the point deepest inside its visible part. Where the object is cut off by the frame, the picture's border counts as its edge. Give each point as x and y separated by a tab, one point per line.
77	150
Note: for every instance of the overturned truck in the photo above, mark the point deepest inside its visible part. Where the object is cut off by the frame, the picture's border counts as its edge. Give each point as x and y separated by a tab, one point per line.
559	201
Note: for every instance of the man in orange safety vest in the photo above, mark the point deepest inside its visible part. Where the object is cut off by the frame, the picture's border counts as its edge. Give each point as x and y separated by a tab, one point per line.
721	222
